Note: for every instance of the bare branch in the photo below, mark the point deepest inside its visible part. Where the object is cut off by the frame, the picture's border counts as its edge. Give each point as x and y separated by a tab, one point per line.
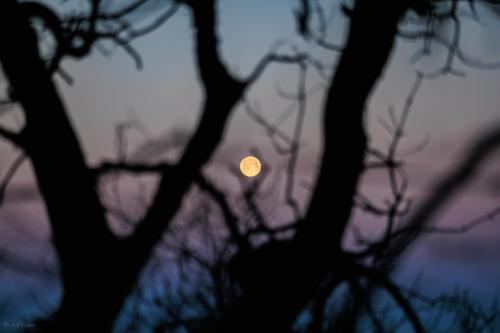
387	285
434	17
155	24
222	92
398	205
77	34
10	174
465	227
249	192
443	193
341	163
294	146
272	130
303	16
13	137
273	57
230	217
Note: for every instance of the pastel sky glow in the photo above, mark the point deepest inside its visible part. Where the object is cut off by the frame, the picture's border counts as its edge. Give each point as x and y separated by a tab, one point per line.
165	97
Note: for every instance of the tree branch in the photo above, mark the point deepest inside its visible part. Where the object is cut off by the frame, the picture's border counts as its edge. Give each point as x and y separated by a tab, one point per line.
342	163
393	290
13	137
73	206
274	57
230	217
10	174
217	195
222	93
442	193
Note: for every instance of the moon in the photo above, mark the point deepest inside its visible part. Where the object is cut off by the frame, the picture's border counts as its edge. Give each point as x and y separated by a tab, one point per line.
250	166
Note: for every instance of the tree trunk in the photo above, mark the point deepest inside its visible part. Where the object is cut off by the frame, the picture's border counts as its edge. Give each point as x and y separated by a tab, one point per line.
98	271
279	279
88	252
370	41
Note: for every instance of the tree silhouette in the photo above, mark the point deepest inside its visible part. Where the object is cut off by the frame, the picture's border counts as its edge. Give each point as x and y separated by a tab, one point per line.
263	277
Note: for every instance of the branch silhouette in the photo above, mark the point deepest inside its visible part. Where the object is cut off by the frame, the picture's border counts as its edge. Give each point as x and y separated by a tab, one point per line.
233	269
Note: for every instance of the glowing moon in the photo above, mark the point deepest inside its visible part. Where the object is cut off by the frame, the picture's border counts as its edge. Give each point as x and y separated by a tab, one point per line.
250	166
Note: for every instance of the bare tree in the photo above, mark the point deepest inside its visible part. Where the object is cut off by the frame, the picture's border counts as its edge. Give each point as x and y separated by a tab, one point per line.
263	277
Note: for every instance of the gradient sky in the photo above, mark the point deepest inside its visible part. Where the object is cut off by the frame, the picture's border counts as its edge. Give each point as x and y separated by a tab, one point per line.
166	95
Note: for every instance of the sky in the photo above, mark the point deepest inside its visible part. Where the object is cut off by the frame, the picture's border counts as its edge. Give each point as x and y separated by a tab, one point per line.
165	97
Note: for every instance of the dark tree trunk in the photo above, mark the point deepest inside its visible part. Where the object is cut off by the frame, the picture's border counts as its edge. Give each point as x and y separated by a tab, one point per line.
98	270
280	278
89	254
370	42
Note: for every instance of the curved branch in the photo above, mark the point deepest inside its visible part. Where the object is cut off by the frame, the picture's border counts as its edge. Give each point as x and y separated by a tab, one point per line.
274	57
222	93
13	137
393	290
372	30
442	193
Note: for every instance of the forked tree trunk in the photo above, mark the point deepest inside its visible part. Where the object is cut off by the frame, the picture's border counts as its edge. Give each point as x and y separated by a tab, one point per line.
91	262
99	271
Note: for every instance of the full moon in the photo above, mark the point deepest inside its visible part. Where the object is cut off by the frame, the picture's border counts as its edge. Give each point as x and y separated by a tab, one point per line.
250	166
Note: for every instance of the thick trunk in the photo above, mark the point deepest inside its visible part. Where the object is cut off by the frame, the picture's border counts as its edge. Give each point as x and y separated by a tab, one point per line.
370	42
92	263
281	278
63	178
86	248
92	307
98	270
